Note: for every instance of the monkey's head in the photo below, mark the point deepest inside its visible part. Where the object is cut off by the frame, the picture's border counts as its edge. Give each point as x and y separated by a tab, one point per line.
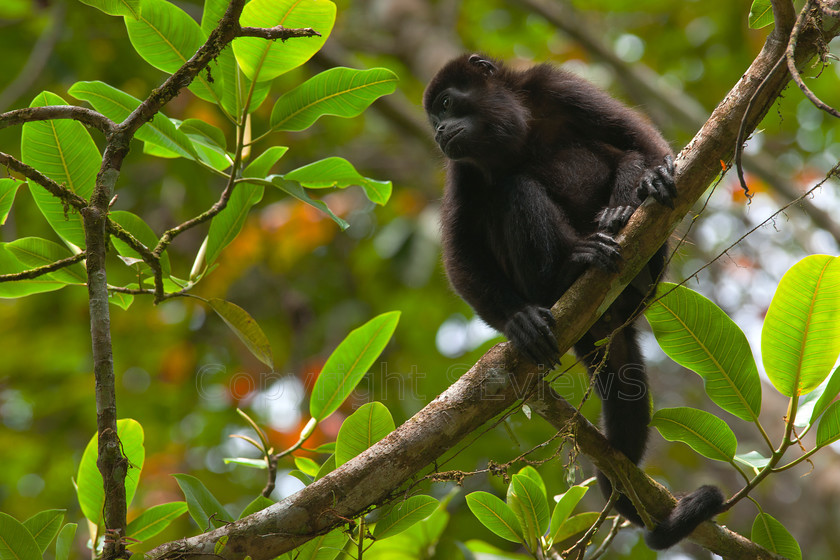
475	112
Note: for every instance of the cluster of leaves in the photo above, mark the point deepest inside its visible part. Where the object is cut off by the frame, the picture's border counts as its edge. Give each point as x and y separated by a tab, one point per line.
237	83
524	516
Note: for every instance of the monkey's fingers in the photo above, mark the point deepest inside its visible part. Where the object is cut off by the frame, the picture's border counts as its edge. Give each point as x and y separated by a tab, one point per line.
615	218
530	331
652	185
666	176
599	249
670	165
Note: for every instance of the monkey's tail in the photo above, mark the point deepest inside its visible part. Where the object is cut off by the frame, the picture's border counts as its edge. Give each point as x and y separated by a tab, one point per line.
626	412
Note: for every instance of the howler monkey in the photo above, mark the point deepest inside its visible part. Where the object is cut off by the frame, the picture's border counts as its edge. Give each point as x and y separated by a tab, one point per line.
543	169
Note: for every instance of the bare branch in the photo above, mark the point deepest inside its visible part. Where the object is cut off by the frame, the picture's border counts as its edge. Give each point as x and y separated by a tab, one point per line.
59	191
277	32
50	112
41	270
148	256
804	17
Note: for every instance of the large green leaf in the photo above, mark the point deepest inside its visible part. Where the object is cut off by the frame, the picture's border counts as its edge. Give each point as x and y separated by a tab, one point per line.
698	335
129	8
263	60
567	502
403	515
575	524
10	265
8	190
118	105
35	252
142	232
829	429
154	520
342	92
203	506
166	37
773	536
244	326
63	150
529	504
349	362
704	432
495	515
89	483
263	163
64	542
44	526
369	424
322	547
761	14
338	172
800	339
16	543
296	191
832	389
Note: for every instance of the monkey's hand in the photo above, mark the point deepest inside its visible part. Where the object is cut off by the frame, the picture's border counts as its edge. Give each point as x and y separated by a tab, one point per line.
659	183
599	249
613	219
530	331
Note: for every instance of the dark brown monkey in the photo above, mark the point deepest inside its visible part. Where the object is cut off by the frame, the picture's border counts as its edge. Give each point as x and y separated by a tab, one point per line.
543	168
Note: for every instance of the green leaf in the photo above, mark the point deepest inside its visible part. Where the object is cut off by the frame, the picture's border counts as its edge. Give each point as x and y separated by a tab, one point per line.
8	190
227	224
121	300
761	14
369	424
10	265
166	37
307	466
44	526
342	92
64	542
63	150
403	515
755	460
263	60
529	504
263	163
496	515
154	520
323	547
259	504
129	8
297	192
338	172
118	105
829	429
212	133
244	326
698	335
773	536
203	506
16	543
800	339
35	252
705	433
141	231
832	389
568	500
349	362
327	467
575	524
534	475
89	484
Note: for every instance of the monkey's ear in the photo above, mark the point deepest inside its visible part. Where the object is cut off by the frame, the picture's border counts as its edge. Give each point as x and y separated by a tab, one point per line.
487	67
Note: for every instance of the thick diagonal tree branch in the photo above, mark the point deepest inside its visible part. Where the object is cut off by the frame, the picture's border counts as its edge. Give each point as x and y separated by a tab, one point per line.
499	379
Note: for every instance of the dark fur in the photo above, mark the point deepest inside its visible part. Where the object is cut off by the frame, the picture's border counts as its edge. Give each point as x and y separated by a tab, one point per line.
543	168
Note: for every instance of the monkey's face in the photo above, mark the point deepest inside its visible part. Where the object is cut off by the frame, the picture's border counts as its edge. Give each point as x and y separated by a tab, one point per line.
478	125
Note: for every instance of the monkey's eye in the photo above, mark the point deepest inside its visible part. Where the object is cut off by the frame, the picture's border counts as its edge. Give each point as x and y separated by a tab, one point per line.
445	102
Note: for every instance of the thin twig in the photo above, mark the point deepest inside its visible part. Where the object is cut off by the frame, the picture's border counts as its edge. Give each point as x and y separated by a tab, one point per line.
59	191
84	115
41	270
277	32
804	16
